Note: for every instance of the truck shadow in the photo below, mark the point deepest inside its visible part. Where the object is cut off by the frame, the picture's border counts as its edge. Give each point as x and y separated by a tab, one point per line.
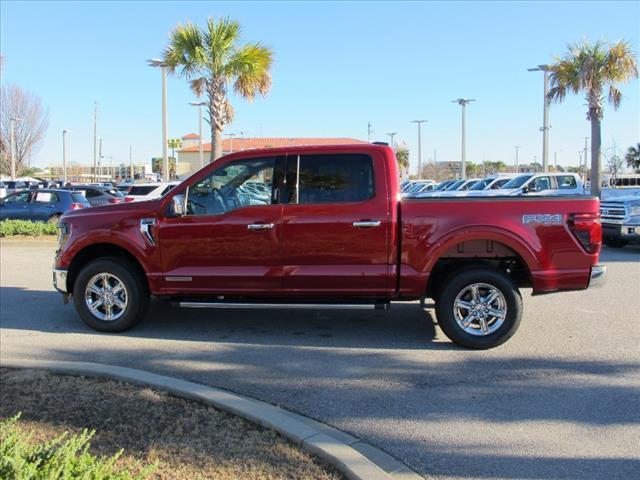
404	326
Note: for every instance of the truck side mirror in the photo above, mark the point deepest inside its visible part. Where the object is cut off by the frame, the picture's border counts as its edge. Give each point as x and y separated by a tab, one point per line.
177	206
525	189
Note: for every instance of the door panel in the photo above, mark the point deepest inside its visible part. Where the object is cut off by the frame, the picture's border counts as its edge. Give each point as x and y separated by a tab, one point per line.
16	206
327	249
229	242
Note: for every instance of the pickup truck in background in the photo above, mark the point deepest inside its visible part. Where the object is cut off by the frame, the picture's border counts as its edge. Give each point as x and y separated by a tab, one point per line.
332	232
621	220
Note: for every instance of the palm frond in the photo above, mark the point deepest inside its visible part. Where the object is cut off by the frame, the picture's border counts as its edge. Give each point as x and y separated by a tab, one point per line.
198	85
220	37
620	64
615	96
185	50
250	67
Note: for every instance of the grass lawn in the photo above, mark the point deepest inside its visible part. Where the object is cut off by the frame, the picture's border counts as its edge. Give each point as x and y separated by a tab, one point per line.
188	440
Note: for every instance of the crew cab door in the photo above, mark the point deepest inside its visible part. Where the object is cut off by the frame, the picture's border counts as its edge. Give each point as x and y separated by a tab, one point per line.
336	225
228	240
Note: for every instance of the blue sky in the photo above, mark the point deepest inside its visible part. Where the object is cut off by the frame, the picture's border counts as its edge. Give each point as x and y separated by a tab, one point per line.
337	66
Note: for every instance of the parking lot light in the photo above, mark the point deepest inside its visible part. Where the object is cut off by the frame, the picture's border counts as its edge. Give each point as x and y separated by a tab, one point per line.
200	144
545	115
64	155
156	62
463	103
419	122
12	141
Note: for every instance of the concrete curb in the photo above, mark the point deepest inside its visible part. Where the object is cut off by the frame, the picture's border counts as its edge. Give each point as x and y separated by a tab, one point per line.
356	459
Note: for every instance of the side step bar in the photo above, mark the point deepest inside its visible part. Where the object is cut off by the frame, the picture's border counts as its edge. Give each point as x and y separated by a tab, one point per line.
288	306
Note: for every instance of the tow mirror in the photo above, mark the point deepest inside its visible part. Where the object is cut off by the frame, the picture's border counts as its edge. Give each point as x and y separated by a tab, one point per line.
178	206
525	189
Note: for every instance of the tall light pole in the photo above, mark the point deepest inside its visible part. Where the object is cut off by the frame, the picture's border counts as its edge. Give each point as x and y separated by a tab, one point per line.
391	135
545	115
64	155
419	122
586	159
555	159
369	131
131	172
156	62
463	103
12	147
200	144
517	148
95	141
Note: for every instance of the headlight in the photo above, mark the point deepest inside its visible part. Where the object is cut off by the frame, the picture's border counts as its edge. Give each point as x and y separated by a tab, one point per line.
634	210
64	231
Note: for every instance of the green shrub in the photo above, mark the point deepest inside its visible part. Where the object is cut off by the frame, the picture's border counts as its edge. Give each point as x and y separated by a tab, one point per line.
64	458
26	227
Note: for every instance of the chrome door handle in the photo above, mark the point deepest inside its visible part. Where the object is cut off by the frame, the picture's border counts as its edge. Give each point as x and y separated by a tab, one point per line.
366	223
259	226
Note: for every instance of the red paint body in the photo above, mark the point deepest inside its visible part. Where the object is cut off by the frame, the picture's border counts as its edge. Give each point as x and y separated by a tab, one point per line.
313	249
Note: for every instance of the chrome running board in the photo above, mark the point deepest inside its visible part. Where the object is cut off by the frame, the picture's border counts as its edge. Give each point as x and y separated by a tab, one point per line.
287	306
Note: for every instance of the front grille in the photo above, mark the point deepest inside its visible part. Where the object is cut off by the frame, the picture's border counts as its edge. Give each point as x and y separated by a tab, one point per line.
613	212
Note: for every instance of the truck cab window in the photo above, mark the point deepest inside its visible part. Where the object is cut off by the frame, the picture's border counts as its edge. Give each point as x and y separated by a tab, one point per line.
235	185
330	178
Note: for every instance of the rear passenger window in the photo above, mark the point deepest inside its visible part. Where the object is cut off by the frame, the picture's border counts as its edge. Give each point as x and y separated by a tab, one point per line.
331	179
566	182
541	183
45	197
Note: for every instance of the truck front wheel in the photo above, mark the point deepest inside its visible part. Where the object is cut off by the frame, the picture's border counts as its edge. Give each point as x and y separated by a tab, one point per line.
479	307
109	295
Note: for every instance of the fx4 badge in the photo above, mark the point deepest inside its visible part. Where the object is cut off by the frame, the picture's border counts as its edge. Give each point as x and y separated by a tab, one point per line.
543	218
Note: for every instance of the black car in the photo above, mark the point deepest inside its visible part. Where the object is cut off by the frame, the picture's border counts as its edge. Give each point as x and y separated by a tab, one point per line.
98	196
40	205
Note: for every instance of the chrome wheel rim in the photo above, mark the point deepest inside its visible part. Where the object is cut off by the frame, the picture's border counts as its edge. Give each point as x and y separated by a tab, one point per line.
106	296
480	309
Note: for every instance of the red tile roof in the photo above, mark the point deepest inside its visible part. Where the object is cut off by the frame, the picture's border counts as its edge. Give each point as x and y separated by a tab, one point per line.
253	143
191	136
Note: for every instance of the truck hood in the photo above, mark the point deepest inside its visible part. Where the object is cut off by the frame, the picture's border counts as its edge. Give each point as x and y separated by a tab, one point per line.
148	208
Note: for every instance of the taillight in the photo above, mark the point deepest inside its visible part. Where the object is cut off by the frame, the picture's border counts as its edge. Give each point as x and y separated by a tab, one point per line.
587	229
129	199
76	206
115	200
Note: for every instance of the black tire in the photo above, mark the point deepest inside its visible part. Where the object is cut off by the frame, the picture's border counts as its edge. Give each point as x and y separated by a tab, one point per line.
137	294
614	242
461	280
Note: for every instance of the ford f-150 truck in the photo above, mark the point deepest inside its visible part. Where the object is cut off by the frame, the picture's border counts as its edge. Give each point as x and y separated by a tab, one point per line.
326	227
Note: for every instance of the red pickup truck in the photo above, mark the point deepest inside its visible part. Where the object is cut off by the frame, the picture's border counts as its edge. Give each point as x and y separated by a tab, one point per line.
326	227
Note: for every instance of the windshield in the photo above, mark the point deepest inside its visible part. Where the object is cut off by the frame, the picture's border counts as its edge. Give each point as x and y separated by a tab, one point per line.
455	185
517	182
481	185
142	190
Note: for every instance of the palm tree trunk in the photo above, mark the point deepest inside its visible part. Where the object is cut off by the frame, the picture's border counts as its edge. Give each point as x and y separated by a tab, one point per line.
595	155
216	143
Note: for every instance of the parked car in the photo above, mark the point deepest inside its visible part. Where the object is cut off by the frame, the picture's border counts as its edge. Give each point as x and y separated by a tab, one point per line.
492	182
149	191
98	196
546	184
11	186
334	233
41	204
620	217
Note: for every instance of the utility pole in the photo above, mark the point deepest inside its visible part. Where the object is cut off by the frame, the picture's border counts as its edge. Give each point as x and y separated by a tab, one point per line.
517	148
369	131
391	135
12	141
586	159
545	116
95	144
419	122
64	156
463	103
230	135
131	172
435	158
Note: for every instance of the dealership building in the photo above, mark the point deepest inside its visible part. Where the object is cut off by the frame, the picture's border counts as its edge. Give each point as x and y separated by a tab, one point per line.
189	156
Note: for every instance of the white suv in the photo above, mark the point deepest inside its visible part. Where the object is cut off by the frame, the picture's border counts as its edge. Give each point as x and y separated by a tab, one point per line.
542	184
148	191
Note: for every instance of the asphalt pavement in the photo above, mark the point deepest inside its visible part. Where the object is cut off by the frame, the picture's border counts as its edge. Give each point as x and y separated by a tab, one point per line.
561	399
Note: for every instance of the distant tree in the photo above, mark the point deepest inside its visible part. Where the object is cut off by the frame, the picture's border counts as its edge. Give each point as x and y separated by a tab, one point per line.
633	157
615	165
157	162
590	69
29	130
213	62
174	143
494	167
402	157
436	171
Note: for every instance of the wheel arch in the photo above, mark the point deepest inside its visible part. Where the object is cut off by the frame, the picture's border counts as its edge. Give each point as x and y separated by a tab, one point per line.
101	250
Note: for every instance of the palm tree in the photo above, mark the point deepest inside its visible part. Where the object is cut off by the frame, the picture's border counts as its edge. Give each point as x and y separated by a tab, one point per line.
590	69
213	62
633	157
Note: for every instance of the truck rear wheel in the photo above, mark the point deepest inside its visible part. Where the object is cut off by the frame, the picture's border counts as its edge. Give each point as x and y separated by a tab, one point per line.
479	307
109	295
